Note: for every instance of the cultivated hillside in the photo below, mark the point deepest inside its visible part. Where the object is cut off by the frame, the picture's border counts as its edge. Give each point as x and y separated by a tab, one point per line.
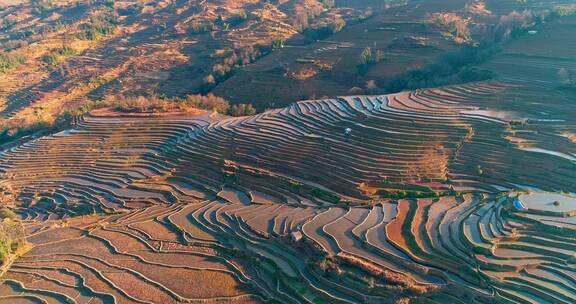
295	151
402	196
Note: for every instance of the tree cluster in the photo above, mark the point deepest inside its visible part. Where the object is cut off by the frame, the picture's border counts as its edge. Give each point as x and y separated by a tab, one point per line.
12	236
518	22
324	29
565	10
223	70
452	68
455	26
155	103
368	58
97	28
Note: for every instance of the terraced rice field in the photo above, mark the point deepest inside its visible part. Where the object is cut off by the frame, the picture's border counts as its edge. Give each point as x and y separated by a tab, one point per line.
289	207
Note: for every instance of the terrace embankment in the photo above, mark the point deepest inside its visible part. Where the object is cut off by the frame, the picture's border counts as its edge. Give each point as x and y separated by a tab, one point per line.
322	152
361	199
463	250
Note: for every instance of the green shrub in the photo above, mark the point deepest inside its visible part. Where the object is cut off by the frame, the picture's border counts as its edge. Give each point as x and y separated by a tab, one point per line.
6	213
12	237
50	59
58	54
66	51
10	62
278	43
4	250
295	186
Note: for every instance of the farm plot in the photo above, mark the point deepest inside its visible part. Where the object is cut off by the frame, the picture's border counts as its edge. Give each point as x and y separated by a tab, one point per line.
108	262
480	243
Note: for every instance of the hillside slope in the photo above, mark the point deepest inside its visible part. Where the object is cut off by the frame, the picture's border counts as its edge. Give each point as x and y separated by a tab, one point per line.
406	192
